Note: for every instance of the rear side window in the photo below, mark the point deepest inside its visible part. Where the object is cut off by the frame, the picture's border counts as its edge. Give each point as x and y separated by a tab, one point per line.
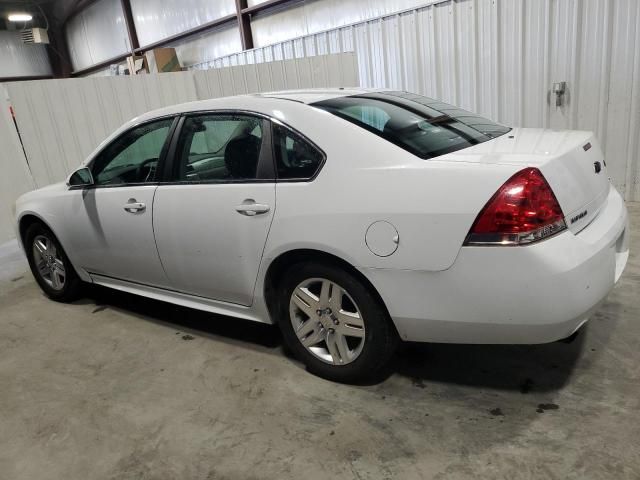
423	126
295	157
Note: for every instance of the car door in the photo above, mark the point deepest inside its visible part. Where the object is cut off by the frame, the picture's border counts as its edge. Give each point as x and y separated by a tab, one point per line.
110	223
212	220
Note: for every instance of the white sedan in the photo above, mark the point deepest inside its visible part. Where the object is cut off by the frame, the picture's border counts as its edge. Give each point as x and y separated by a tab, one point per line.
350	218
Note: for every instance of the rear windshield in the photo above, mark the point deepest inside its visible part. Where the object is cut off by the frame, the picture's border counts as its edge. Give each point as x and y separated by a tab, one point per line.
423	126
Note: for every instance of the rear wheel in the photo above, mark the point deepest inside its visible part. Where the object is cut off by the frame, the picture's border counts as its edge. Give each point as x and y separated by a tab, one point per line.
50	265
334	324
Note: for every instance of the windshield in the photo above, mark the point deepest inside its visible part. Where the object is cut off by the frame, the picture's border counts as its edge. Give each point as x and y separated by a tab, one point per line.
423	126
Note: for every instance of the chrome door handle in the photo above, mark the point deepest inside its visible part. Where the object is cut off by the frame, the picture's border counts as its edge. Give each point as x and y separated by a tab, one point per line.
133	206
252	209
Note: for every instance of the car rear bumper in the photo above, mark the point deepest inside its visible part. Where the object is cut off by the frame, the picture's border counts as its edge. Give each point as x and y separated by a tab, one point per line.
530	294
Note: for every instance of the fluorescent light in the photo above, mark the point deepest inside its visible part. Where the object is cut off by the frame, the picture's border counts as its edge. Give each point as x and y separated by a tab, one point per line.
19	17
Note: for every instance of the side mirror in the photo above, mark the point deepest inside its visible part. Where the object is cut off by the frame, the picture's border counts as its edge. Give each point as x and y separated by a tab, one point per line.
81	178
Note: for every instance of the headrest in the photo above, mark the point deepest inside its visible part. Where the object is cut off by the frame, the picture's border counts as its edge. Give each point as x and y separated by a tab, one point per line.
241	156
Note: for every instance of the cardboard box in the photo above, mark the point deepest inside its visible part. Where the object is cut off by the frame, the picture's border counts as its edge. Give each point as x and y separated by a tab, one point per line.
137	64
161	60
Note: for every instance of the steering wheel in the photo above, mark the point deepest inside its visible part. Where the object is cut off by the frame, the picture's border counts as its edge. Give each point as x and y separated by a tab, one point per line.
143	165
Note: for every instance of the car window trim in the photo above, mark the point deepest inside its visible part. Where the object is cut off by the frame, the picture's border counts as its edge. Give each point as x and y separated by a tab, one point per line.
165	174
161	160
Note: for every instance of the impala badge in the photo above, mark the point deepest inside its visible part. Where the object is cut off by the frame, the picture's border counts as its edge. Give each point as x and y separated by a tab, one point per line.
597	166
578	217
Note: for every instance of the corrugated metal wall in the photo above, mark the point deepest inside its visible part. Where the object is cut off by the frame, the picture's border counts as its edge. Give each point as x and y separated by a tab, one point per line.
156	20
500	58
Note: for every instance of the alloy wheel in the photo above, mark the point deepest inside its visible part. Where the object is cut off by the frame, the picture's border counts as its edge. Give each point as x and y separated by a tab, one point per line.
49	263
327	321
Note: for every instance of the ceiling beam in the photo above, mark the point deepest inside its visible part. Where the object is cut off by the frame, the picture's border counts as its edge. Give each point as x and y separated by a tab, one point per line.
99	66
23	79
58	53
244	25
263	6
131	26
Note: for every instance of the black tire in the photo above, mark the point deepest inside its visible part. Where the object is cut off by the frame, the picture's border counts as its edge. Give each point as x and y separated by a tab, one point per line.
380	335
72	286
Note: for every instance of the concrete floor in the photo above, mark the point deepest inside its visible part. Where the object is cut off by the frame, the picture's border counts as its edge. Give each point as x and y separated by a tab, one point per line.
116	386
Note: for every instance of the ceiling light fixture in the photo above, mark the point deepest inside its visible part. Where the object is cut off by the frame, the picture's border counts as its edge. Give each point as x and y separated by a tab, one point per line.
20	17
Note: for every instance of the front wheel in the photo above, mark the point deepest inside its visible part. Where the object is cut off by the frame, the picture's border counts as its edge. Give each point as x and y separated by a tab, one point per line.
49	264
334	324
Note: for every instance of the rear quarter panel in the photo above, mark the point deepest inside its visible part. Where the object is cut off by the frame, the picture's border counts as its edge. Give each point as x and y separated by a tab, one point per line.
431	203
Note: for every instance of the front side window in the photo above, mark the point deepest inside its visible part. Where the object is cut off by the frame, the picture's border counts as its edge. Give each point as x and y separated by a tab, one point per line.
219	148
133	157
425	127
295	157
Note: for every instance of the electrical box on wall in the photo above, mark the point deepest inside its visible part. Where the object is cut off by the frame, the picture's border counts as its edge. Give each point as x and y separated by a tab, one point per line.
35	35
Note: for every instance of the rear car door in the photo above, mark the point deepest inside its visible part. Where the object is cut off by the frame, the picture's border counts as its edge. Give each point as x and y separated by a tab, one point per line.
110	223
212	218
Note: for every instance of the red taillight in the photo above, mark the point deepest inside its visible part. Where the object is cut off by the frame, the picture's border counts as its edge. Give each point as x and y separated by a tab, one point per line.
522	211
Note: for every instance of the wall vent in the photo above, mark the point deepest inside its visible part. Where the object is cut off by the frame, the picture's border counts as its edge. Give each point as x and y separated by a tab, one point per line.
34	35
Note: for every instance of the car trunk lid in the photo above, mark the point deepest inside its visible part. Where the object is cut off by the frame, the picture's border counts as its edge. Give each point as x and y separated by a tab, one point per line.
571	161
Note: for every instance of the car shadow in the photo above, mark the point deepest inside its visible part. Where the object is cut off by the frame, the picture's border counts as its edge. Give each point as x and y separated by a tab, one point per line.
542	368
187	320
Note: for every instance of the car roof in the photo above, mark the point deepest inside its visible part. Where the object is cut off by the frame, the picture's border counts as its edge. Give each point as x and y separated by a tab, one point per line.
283	97
316	94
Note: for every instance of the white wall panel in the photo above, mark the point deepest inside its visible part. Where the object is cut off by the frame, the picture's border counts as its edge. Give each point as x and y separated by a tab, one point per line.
159	19
96	34
246	76
496	57
622	109
20	60
15	178
62	121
